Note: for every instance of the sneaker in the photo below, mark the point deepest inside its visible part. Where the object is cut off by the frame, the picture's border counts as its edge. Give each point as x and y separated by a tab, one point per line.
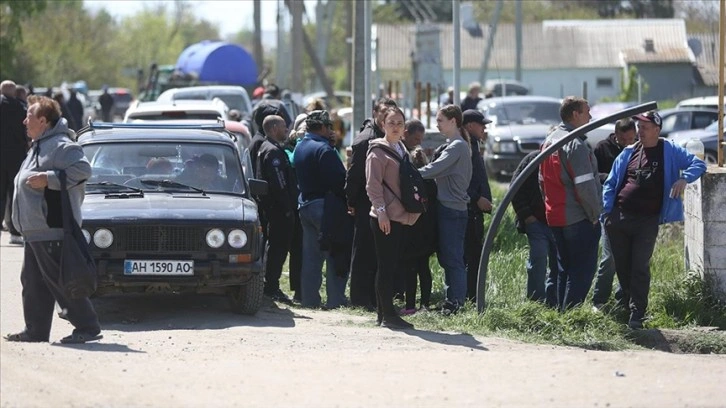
449	308
16	240
636	321
407	312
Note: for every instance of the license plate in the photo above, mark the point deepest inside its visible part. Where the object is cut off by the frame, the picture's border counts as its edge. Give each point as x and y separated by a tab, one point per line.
158	268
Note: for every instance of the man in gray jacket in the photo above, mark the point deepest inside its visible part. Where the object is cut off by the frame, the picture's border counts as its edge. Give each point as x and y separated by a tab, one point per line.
38	216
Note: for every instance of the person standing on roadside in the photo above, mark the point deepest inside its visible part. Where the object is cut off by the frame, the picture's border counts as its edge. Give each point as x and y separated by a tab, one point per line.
480	199
37	192
389	219
452	172
643	191
572	193
363	257
274	167
75	107
319	172
472	98
14	147
605	152
106	101
542	265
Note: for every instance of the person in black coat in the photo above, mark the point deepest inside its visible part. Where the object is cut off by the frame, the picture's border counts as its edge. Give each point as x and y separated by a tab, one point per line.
274	167
529	207
363	258
14	147
265	108
76	109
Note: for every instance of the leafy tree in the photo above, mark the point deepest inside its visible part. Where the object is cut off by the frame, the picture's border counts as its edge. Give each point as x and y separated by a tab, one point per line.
12	14
629	85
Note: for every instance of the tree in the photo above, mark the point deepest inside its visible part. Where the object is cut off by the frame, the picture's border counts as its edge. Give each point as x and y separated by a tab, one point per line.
12	14
629	85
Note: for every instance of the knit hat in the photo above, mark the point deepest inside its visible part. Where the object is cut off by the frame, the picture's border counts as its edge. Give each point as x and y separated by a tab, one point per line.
318	118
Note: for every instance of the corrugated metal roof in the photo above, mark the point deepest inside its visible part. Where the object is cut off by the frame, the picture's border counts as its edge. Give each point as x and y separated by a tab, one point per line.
665	54
547	45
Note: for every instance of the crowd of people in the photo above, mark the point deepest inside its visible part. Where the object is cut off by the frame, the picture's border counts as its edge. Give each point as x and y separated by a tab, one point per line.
356	221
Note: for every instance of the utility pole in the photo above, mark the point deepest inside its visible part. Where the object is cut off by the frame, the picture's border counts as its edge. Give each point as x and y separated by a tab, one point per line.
518	35
360	105
490	42
455	9
296	34
282	66
259	57
367	22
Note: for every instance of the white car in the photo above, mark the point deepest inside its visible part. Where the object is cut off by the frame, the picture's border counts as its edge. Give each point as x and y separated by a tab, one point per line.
235	97
710	102
177	110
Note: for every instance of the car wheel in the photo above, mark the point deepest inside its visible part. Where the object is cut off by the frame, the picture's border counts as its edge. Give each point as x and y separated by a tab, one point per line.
711	157
247	299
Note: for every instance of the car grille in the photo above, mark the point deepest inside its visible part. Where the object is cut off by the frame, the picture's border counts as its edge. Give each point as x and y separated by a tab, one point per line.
528	146
162	238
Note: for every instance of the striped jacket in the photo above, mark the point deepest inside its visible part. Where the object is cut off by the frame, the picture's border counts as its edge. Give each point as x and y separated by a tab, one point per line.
569	181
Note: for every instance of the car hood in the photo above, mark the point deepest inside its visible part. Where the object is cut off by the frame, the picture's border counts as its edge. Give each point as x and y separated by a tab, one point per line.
167	206
518	132
682	137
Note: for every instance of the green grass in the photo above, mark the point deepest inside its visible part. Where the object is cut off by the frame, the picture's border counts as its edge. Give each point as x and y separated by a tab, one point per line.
678	300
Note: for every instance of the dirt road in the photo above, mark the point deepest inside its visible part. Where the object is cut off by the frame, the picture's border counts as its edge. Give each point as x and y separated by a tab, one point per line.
192	352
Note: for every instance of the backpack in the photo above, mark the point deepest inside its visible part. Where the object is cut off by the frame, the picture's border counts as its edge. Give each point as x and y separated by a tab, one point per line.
413	187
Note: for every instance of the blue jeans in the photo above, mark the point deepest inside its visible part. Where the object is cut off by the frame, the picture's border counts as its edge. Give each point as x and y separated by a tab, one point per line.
577	246
452	229
541	280
311	216
605	274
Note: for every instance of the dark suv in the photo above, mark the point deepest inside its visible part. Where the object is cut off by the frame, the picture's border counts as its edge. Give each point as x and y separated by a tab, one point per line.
168	209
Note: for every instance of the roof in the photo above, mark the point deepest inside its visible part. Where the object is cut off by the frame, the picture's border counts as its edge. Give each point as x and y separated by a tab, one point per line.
548	45
149	133
187	105
706	56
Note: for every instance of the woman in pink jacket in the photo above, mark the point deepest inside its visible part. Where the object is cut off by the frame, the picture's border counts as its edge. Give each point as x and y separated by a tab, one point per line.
388	217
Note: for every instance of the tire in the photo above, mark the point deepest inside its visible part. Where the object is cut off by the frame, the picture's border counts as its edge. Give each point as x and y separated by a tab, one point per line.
247	299
711	157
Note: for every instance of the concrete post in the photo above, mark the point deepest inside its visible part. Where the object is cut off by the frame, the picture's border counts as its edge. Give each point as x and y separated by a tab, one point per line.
705	228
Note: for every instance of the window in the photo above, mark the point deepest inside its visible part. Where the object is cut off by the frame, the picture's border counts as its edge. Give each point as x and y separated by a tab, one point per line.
703	119
604	82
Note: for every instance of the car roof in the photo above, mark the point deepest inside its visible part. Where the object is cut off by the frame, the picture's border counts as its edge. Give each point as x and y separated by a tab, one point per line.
155	132
518	99
687	109
203	88
178	105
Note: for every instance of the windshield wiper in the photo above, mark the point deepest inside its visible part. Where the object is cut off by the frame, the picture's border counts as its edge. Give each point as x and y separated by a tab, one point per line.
108	184
169	183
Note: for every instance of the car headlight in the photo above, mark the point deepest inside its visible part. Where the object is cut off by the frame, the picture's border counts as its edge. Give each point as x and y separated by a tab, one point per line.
504	147
86	235
237	238
102	238
215	238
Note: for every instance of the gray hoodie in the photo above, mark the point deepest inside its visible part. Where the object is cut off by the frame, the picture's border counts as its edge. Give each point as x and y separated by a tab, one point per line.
37	213
452	172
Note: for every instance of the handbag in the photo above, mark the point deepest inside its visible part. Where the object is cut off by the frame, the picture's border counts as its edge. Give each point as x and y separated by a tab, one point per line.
78	275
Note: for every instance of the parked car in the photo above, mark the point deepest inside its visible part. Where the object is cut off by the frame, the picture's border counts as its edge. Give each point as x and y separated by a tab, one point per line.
708	102
679	119
236	97
519	125
708	136
177	110
153	226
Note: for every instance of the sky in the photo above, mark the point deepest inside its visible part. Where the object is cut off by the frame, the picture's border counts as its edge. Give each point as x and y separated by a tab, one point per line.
231	16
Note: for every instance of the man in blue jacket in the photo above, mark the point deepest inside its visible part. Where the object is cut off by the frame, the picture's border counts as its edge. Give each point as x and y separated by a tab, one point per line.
319	171
643	191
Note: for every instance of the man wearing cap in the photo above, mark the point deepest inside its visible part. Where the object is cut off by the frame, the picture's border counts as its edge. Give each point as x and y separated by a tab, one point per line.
572	191
643	191
481	198
319	171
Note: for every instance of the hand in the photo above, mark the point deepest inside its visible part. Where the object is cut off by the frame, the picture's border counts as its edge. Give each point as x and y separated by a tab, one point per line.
37	180
484	204
351	211
383	223
531	219
678	188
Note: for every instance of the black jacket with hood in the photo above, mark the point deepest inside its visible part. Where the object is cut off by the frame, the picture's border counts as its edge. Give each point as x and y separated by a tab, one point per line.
355	180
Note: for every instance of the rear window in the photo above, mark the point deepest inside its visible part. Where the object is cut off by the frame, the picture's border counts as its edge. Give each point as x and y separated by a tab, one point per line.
175	115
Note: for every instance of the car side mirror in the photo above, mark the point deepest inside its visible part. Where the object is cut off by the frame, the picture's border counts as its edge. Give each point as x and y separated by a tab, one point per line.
258	187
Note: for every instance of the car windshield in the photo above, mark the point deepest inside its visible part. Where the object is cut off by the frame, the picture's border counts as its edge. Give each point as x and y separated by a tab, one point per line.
164	166
522	113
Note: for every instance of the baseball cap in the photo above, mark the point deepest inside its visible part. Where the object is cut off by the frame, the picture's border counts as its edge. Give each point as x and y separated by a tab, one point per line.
650	116
474	116
318	117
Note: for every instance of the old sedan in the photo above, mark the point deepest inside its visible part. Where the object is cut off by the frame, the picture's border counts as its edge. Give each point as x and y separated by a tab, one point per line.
169	210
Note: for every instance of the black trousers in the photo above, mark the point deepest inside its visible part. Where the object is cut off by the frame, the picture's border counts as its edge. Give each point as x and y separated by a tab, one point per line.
388	249
295	264
279	238
417	268
7	188
363	261
39	276
632	241
473	243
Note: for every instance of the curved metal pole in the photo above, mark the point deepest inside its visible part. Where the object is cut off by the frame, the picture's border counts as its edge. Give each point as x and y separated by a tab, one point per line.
517	183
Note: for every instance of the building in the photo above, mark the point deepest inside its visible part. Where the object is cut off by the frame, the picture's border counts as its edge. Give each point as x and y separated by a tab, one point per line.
559	56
